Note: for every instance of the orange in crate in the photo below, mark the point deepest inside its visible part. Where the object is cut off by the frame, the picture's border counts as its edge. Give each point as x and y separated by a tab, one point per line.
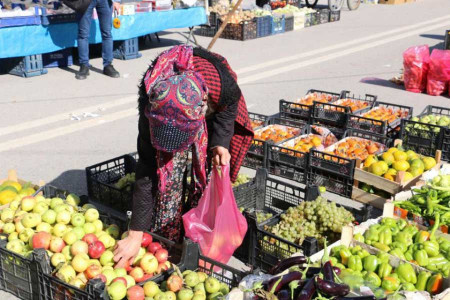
256	123
387	114
302	144
355	148
317	97
353	104
276	133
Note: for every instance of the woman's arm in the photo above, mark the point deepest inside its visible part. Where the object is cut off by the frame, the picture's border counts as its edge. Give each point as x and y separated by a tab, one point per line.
222	126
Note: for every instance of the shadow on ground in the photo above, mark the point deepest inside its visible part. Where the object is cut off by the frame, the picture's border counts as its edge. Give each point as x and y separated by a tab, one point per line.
73	181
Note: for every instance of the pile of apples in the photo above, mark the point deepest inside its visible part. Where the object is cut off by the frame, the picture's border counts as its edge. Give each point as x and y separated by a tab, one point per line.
79	245
189	285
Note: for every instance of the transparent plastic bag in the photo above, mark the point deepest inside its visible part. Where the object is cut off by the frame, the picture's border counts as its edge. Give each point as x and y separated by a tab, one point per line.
437	82
415	64
216	224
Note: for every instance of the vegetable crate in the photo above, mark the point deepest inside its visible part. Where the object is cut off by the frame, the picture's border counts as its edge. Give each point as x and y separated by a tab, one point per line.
278	24
278	196
297	111
208	31
386	128
427	138
257	153
127	49
22	20
263	26
245	30
333	172
289	23
58	59
335	114
312	19
335	16
27	66
324	16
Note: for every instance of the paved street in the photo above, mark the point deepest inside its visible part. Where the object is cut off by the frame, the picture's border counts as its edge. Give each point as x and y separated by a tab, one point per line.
53	126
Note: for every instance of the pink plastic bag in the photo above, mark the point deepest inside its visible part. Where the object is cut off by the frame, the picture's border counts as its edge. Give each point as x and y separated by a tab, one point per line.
415	64
437	82
216	224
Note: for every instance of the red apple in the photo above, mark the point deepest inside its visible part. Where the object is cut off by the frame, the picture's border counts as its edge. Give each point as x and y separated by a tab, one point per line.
121	279
92	271
41	240
96	249
57	244
161	268
137	273
146	240
146	277
149	263
89	238
128	267
162	255
153	247
101	277
135	293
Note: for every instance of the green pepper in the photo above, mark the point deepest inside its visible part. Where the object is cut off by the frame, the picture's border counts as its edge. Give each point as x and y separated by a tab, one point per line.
431	247
421	200
346	272
409	255
363	273
352	280
379	293
390	222
363	253
335	251
394	230
435	227
370	263
355	250
398	253
340	266
406	273
345	255
384	270
434	284
400	246
385	236
444	245
355	263
358	237
421	237
390	283
383	257
404	237
421	257
333	261
436	263
371	235
408	287
401	224
381	246
446	269
422	280
373	279
411	230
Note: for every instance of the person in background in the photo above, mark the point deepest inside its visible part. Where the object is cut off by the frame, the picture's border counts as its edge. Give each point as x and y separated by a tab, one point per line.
105	10
189	101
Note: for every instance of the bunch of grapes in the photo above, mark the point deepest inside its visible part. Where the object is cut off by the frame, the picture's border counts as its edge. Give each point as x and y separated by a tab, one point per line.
319	219
126	182
261	217
241	179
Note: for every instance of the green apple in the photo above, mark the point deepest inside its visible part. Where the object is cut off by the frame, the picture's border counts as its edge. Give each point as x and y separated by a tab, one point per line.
191	279
78	220
59	229
151	289
91	215
107	258
1	224
73	200
64	207
80	263
40	198
14	205
16	246
26	234
55	202
70	237
185	294
212	285
79	231
110	275
170	295
89	228
7	215
130	281
224	288
66	273
200	288
40	208
44	227
13	236
27	204
86	206
215	296
98	225
9	228
202	276
66	252
79	247
120	272
141	254
57	259
160	296
19	226
107	240
114	231
78	283
63	217
104	268
31	220
49	217
117	291
199	297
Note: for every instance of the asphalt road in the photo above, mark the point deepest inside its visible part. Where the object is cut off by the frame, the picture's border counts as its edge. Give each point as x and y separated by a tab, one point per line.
53	126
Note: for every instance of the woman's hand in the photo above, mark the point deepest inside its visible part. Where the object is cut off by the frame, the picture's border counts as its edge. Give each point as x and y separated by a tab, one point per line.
221	156
128	248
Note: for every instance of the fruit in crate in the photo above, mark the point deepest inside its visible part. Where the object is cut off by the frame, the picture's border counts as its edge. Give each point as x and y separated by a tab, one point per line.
353	104
276	133
11	190
303	144
126	182
262	216
387	114
355	148
438	120
241	179
316	97
256	123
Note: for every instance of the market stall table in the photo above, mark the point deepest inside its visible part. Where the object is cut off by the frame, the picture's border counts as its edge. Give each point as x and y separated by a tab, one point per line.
38	39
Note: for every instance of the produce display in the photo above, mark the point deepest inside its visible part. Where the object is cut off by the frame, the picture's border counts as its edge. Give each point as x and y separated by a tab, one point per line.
276	133
303	144
426	202
126	182
355	148
405	241
353	104
394	160
241	179
316	97
320	219
387	114
256	123
79	244
12	190
443	121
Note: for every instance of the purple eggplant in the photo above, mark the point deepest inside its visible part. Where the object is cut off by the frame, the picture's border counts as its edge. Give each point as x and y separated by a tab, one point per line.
312	271
331	288
327	271
287	263
275	284
308	290
337	271
284	295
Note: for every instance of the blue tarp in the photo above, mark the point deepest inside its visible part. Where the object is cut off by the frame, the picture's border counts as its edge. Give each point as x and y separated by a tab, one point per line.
38	39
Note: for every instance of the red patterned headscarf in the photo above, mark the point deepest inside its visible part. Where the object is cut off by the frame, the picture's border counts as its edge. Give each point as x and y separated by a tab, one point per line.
177	98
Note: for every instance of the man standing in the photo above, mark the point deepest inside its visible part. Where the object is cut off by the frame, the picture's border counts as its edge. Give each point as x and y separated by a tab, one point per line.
104	9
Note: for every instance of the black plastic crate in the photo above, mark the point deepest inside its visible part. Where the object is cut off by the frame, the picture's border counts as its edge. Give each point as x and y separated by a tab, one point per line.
263	26
289	23
58	59
338	132
377	126
324	15
312	19
369	136
245	30
335	16
334	172
423	138
127	49
208	31
263	119
337	115
441	111
57	18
